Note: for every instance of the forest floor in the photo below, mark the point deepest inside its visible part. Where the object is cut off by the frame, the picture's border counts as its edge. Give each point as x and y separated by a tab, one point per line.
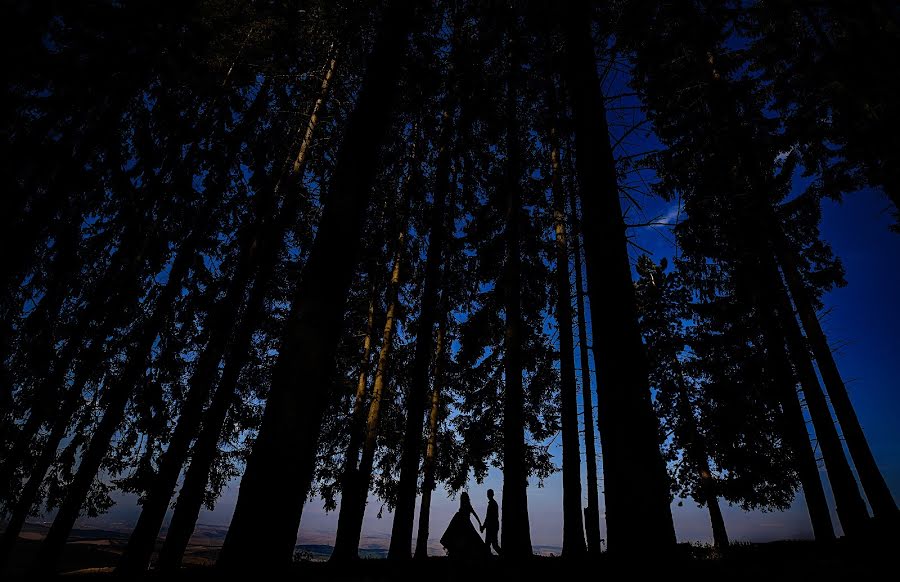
758	562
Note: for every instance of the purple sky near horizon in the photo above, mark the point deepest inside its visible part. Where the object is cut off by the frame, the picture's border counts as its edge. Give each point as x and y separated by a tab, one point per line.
861	320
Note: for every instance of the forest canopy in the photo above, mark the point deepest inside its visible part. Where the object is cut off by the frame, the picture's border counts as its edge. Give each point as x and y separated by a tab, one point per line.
365	251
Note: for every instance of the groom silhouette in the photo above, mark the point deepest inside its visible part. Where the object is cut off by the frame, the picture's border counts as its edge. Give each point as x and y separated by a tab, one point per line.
491	524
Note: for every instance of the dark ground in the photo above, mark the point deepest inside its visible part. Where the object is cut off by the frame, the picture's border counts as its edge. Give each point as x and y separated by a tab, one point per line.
799	561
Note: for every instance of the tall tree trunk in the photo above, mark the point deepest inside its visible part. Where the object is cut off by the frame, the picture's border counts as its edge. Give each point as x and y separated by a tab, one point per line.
404	512
636	483
282	463
356	489
573	526
877	491
592	511
190	498
796	433
363	437
258	251
756	211
698	456
711	500
358	414
851	508
428	465
516	531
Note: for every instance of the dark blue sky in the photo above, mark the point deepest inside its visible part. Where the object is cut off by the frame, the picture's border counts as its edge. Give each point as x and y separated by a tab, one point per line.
863	319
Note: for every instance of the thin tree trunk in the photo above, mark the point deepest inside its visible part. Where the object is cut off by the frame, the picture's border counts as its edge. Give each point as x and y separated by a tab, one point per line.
708	490
516	531
636	482
358	425
592	511
358	414
356	490
365	423
282	463
428	465
573	526
404	512
795	430
697	454
851	508
874	485
711	499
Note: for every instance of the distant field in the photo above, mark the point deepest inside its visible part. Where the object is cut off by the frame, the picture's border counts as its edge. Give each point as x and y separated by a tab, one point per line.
93	553
207	540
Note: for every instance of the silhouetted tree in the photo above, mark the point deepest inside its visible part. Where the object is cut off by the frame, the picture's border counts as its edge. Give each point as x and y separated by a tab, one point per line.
826	64
635	480
592	511
573	522
291	423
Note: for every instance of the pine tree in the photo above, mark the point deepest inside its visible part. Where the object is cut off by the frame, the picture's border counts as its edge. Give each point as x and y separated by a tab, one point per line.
358	474
635	482
573	523
745	166
592	511
428	463
515	533
292	420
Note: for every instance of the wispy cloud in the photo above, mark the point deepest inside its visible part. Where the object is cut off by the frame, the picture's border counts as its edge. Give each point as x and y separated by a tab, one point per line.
672	215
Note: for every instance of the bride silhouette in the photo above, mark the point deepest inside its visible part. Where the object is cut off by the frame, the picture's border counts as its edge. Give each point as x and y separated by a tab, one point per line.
461	540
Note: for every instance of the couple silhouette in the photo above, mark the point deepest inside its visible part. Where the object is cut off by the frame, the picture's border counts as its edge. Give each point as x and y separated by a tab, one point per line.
462	541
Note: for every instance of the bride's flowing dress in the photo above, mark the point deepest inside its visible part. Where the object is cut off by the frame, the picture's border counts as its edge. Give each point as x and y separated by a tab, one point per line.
461	539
